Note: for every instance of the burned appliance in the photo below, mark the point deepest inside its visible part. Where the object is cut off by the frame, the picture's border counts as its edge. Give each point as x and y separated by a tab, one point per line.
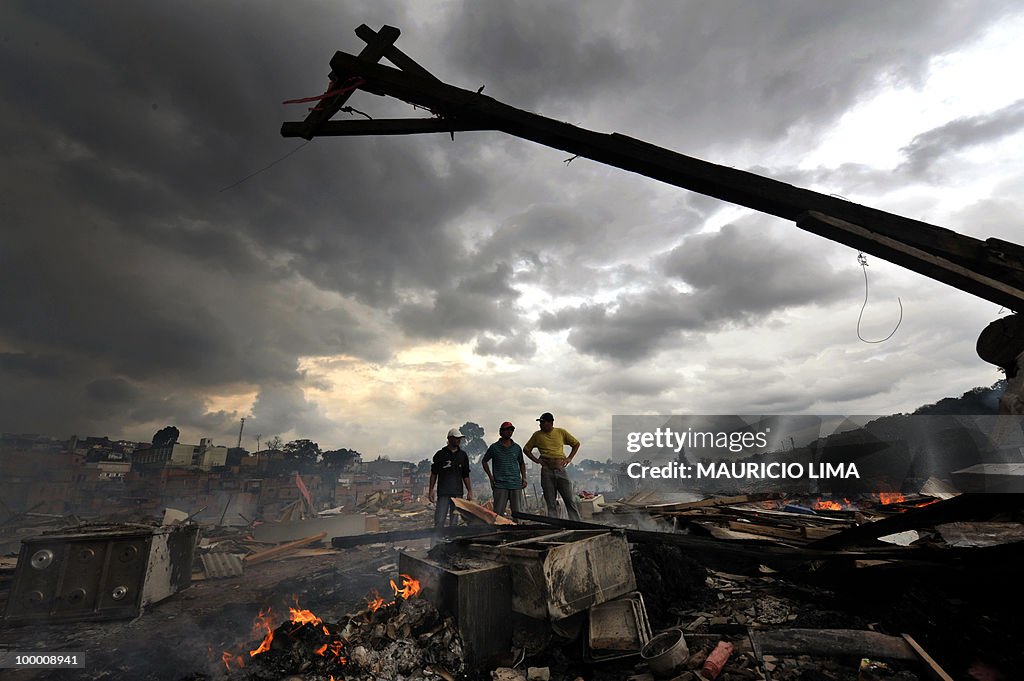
558	574
98	572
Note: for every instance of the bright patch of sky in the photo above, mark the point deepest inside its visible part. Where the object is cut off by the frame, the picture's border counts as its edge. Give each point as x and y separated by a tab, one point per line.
958	84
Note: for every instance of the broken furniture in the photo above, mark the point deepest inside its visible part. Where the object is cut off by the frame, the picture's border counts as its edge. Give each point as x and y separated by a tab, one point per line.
558	574
97	572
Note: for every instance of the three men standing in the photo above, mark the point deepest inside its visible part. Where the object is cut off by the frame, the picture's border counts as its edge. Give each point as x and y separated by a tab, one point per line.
554	481
509	474
449	471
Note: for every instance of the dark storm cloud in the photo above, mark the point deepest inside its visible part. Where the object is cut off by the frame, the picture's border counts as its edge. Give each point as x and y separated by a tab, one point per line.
283	407
637	326
761	273
122	123
31	365
529	55
112	391
477	303
961	134
737	276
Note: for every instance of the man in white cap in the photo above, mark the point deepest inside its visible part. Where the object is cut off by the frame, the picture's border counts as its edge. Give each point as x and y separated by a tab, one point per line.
449	471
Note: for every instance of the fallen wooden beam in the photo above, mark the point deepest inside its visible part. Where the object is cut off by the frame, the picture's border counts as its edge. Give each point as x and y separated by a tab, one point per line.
283	549
767	551
410	535
833	642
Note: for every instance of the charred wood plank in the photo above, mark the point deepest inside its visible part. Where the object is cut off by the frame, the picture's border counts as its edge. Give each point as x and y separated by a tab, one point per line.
283	549
419	533
728	184
833	642
963	507
770	551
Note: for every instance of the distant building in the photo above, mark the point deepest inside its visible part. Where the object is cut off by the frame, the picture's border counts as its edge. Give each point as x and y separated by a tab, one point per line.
205	456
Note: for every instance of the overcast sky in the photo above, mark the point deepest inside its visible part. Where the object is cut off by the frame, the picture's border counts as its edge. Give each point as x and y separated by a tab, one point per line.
371	293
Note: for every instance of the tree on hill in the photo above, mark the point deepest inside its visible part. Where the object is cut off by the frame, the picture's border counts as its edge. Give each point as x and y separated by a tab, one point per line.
342	459
304	451
976	401
168	435
473	442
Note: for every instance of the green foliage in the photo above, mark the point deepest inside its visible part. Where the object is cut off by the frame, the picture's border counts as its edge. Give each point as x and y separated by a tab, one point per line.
305	451
342	459
168	435
474	443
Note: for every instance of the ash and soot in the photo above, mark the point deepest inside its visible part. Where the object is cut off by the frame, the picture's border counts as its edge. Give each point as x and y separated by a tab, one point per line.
404	638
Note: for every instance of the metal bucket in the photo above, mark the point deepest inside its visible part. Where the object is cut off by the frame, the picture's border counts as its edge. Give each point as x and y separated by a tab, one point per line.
665	653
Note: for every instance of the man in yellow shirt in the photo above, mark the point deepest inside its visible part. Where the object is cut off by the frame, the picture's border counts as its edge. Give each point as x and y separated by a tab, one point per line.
554	481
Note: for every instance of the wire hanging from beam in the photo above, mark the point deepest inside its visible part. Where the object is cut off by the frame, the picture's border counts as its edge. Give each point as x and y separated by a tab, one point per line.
863	260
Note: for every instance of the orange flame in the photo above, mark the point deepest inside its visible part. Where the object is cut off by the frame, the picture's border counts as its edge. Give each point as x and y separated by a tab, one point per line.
263	624
410	587
229	658
827	505
375	603
890	498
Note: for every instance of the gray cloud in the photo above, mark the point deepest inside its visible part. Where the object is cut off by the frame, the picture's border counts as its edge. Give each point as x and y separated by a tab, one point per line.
638	325
737	276
478	303
957	135
764	273
516	345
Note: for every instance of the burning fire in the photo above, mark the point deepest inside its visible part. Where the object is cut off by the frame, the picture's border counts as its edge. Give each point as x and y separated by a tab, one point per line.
890	498
410	587
263	625
375	603
833	505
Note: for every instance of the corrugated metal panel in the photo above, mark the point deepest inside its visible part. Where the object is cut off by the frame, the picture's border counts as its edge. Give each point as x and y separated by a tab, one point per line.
221	565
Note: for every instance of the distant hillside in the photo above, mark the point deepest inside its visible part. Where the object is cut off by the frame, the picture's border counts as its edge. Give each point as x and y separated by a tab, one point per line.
976	401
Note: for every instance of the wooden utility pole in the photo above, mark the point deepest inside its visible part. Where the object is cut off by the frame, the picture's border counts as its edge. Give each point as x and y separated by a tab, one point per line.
992	269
